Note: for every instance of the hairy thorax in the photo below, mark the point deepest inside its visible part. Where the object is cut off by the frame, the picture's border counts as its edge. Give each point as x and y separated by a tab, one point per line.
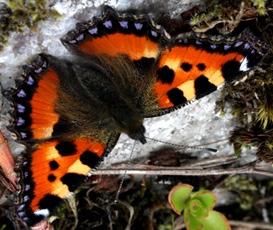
102	93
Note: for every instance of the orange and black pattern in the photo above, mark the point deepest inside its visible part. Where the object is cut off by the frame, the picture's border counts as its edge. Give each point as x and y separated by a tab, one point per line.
52	168
191	69
180	71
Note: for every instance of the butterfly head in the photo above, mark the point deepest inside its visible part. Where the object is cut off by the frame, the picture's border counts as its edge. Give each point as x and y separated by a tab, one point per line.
138	134
131	123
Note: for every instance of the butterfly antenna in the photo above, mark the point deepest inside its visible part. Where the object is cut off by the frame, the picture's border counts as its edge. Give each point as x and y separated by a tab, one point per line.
182	146
124	174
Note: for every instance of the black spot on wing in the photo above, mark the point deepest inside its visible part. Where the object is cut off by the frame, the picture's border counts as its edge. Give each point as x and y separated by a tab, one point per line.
60	127
50	202
66	148
90	159
186	66
53	165
201	66
51	178
203	86
176	96
165	75
144	64
230	70
73	180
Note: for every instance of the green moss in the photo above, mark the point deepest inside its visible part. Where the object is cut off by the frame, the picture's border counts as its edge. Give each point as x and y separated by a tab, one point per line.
15	15
251	102
225	15
260	5
265	107
245	188
208	18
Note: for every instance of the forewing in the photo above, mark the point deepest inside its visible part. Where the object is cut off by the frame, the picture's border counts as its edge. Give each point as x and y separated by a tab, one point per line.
119	34
192	68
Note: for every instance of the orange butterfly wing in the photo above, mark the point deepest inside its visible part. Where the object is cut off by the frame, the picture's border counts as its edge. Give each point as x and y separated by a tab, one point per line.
54	170
186	69
114	34
51	168
34	116
191	69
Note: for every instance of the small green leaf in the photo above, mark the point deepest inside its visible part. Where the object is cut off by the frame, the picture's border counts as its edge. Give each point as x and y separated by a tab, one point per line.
197	208
207	198
178	197
191	222
215	221
260	4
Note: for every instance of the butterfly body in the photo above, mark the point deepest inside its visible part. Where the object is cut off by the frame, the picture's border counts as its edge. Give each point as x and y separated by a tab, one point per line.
124	68
98	95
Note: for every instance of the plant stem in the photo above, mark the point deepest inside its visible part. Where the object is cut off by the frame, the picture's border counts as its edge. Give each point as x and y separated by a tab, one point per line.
250	225
178	171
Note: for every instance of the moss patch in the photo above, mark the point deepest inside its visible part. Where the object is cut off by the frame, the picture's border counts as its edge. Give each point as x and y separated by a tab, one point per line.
15	15
225	15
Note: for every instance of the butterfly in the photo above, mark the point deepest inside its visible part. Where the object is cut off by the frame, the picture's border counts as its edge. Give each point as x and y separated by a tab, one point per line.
69	112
